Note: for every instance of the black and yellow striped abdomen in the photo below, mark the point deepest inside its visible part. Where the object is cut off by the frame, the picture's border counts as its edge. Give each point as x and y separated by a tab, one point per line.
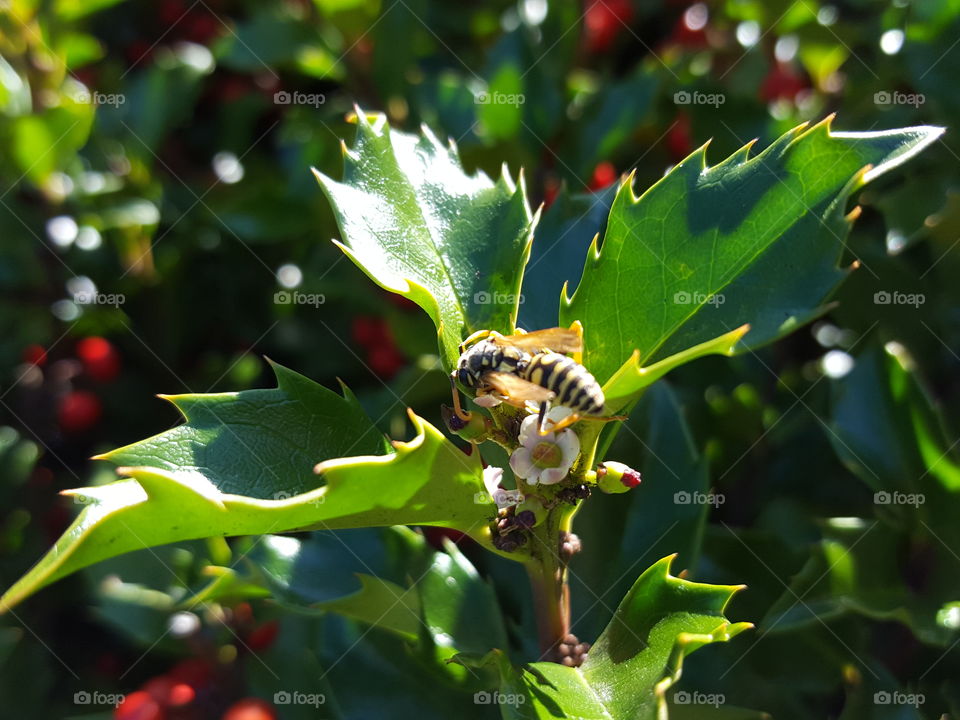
574	387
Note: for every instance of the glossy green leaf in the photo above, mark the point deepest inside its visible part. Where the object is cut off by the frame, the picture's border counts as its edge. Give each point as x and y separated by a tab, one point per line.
460	611
901	566
708	249
666	514
187	487
420	226
862	566
259	443
306	576
634	661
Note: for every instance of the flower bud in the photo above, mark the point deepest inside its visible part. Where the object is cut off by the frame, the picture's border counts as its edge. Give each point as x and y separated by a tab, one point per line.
473	430
615	477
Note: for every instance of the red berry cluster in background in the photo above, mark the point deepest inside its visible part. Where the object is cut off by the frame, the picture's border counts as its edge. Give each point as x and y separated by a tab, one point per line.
71	381
201	688
381	352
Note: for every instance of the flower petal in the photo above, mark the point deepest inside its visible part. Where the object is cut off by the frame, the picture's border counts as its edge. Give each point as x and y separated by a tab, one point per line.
529	434
492	476
522	463
551	476
569	445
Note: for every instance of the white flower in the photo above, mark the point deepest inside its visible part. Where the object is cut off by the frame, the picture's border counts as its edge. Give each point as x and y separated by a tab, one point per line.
503	498
545	459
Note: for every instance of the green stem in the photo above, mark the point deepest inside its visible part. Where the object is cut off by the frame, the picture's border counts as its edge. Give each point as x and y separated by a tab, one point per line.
548	581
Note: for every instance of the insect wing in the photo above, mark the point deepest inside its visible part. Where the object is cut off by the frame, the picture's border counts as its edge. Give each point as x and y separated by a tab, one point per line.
561	340
516	388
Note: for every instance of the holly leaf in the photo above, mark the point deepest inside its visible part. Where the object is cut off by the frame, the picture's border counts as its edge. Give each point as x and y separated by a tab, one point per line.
708	249
633	662
420	226
205	479
886	429
451	590
260	443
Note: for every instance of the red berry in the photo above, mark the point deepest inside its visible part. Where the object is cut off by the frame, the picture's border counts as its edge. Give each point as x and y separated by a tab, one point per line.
550	191
159	688
250	709
367	330
193	672
263	636
604	20
781	83
604	175
181	694
79	410
243	613
201	28
35	355
385	360
679	142
138	705
168	691
631	478
100	359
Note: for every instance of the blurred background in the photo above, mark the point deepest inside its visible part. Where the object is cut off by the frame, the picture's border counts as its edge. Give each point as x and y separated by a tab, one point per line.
162	233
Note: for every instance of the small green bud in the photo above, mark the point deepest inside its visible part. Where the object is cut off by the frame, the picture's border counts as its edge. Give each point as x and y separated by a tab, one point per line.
615	477
474	430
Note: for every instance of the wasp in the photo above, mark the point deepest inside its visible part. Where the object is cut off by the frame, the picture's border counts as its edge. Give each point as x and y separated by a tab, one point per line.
529	368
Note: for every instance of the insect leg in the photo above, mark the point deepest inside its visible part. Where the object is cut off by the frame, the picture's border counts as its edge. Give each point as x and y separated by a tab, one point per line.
457	408
562	424
542	418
